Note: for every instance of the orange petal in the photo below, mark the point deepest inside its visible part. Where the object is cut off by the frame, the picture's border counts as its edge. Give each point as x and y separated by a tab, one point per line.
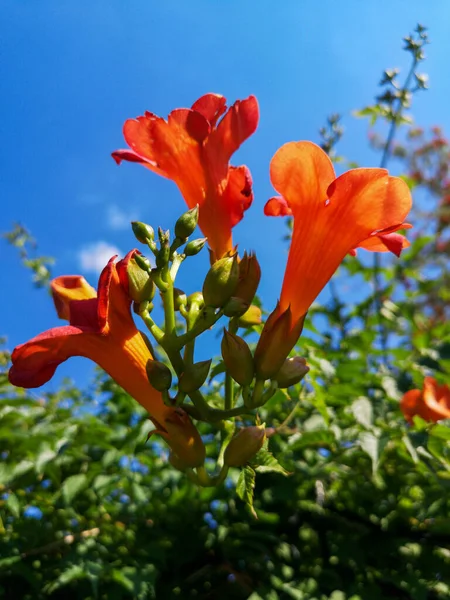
277	207
409	404
389	242
238	195
211	106
238	124
131	156
67	288
301	172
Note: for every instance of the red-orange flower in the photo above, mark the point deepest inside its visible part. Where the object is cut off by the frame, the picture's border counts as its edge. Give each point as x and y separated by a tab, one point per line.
332	216
193	148
102	329
432	403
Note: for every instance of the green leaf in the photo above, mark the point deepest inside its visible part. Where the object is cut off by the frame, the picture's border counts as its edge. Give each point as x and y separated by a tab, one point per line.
72	486
73	573
12	503
440	431
265	462
9	561
319	438
139	493
363	412
45	456
369	442
245	488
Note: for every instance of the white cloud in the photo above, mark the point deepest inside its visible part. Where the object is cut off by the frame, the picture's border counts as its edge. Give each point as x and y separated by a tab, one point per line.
94	257
119	219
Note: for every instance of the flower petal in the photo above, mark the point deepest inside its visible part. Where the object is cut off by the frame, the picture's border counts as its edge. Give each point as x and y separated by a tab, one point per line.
238	124
238	195
388	242
35	362
301	172
131	156
277	207
211	106
67	288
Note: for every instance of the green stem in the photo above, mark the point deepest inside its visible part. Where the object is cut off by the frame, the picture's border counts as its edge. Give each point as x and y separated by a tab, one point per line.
156	332
229	392
169	306
206	480
200	326
176	262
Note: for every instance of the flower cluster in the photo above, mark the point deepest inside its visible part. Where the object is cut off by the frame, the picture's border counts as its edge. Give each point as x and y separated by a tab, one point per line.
333	216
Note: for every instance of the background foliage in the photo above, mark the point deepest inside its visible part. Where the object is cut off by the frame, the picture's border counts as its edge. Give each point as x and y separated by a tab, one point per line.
89	511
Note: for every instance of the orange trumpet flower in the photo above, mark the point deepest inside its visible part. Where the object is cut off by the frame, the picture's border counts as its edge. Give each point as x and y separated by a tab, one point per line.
332	217
432	403
102	329
193	148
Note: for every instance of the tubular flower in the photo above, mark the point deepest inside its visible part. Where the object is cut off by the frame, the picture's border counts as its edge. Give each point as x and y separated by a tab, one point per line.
332	216
101	328
432	403
193	148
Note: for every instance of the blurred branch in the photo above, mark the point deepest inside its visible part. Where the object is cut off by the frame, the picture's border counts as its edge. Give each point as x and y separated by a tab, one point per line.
20	238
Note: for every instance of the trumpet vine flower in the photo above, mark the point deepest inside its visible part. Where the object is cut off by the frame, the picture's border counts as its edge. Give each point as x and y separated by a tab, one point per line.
101	328
332	217
432	403
193	148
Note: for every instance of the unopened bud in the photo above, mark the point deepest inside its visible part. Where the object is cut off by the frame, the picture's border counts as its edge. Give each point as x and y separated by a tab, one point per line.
194	247
249	278
143	262
179	298
194	376
186	223
235	307
292	371
195	301
163	255
183	438
245	444
159	375
142	232
221	281
237	358
140	286
253	316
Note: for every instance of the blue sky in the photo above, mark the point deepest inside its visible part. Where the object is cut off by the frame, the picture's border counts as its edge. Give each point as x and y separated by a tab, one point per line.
73	73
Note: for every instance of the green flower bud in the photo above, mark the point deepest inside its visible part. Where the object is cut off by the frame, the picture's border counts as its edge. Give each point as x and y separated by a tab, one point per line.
159	375
237	358
253	316
194	377
235	307
221	281
249	278
143	262
194	247
140	286
195	300
186	224
163	255
142	232
245	444
292	371
179	298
